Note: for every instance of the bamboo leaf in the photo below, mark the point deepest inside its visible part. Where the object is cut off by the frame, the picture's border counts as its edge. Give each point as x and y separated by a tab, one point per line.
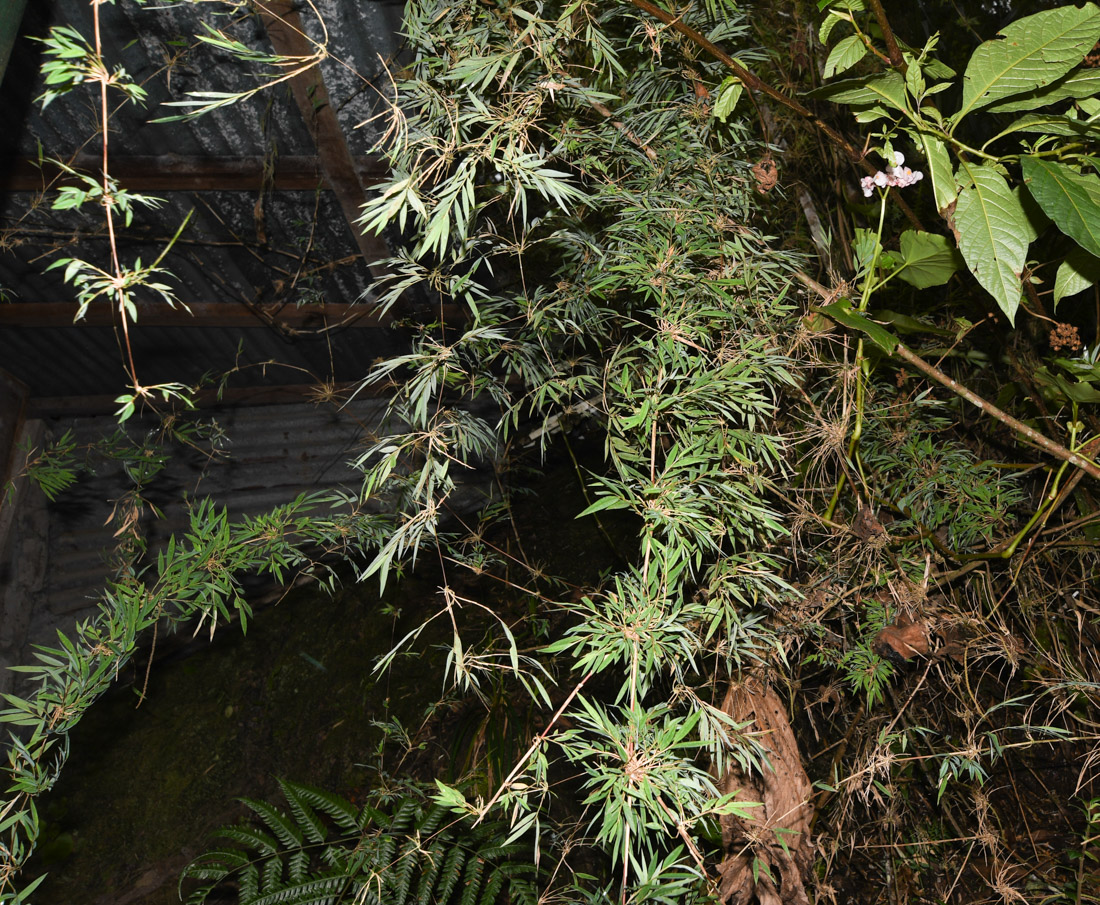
992	233
1069	198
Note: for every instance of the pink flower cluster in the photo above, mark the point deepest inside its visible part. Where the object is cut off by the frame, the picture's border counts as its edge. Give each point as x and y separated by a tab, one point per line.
896	175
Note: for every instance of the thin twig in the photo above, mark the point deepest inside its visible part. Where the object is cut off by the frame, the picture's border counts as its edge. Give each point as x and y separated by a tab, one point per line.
622	127
539	739
1055	449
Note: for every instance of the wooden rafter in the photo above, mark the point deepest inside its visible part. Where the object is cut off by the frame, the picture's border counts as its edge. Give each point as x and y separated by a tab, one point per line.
270	394
173	173
202	314
287	33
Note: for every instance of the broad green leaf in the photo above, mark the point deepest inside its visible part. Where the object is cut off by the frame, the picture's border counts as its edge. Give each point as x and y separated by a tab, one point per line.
927	259
1056	386
842	313
906	323
1049	124
1070	199
844	56
1076	273
1079	84
871	114
1037	221
938	163
992	233
887	88
914	79
729	93
1029	54
839	13
935	69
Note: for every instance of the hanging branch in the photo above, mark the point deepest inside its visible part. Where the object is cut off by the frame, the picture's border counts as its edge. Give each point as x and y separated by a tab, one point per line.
900	351
1055	449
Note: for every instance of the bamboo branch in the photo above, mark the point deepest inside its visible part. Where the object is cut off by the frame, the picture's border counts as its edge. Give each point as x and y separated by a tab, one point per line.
539	739
752	82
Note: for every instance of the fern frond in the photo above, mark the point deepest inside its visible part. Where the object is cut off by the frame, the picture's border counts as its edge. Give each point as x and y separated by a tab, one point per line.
491	889
311	824
271	876
474	869
409	853
450	875
338	809
286	832
250	883
318	891
400	877
250	838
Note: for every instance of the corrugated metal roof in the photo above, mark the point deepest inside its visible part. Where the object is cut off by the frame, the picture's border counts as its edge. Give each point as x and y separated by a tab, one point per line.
274	454
241	248
156	45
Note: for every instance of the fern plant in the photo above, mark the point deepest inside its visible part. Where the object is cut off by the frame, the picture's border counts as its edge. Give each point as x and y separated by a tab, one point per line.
395	849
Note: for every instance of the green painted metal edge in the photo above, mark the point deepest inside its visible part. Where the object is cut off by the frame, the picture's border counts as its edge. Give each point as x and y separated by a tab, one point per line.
11	15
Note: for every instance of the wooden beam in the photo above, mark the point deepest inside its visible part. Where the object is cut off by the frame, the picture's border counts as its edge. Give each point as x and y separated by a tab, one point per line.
172	173
202	314
61	406
287	33
13	403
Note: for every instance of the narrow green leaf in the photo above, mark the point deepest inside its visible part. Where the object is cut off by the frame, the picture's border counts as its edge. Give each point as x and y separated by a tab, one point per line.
888	88
867	248
927	259
1076	273
992	234
844	56
842	313
906	323
1028	54
605	503
1070	199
